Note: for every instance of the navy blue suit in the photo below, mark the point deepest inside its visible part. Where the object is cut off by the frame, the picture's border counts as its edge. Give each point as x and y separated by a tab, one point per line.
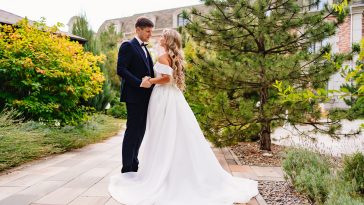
132	66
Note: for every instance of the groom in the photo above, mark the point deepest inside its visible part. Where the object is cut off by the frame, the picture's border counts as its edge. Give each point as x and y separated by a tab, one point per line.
135	62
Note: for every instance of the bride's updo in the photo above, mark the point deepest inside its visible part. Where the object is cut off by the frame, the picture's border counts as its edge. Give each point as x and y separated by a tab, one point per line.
173	43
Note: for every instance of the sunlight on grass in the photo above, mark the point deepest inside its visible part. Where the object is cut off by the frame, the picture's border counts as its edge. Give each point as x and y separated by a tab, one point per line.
23	142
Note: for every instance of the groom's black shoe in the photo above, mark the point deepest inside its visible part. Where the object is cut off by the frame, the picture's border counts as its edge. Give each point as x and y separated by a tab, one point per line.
126	169
129	169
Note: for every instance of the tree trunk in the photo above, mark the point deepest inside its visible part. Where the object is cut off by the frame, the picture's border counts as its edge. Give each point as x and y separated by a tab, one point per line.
265	141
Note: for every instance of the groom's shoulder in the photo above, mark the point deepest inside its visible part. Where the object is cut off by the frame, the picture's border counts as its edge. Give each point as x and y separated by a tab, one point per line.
126	44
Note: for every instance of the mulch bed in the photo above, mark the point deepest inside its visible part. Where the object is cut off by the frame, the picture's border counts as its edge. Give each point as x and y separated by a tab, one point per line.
250	154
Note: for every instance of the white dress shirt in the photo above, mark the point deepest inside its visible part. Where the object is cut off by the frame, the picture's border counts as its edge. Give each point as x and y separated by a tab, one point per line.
140	43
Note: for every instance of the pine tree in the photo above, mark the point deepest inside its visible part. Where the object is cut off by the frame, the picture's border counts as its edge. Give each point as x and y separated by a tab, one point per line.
354	87
242	48
82	28
108	40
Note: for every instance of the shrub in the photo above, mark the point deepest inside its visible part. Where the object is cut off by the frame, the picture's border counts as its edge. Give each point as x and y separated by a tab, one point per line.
340	194
118	110
44	75
353	171
309	172
100	100
9	117
314	183
344	199
299	159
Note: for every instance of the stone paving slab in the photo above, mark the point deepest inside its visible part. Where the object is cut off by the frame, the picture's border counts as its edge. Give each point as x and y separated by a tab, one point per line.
90	200
8	191
81	177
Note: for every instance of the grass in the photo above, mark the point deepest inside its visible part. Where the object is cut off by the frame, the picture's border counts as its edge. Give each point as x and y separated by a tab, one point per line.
24	142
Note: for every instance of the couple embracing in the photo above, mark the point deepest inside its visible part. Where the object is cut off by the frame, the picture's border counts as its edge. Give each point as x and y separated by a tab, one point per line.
175	165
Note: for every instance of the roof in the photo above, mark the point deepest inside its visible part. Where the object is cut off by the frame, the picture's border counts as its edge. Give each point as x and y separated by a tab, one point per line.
10	18
162	18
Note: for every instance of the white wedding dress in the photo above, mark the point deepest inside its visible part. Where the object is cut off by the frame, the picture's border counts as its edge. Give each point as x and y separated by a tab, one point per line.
177	165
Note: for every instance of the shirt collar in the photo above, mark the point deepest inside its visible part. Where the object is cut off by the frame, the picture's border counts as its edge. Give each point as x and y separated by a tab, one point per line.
140	41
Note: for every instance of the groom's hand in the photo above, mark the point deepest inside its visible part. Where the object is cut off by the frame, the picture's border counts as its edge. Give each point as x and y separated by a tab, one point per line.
145	82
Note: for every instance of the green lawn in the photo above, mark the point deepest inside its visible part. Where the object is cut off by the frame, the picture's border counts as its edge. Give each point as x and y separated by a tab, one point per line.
20	143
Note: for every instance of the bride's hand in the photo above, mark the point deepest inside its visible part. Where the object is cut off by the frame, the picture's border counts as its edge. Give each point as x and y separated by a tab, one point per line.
145	82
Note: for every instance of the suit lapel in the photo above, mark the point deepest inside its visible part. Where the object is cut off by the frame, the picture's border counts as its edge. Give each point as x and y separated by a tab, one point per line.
141	53
150	62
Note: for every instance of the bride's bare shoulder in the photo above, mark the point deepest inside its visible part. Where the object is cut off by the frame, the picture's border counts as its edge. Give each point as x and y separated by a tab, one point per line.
165	59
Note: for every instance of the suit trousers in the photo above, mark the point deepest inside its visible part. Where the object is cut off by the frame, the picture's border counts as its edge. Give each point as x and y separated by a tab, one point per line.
134	133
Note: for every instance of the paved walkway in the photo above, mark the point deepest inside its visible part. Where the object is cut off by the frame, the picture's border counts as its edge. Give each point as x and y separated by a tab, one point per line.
81	177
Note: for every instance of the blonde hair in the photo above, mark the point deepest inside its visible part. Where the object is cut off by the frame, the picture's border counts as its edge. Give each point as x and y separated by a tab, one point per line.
173	44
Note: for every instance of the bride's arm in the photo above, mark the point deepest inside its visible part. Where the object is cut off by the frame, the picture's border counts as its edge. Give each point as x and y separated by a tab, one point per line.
164	78
160	80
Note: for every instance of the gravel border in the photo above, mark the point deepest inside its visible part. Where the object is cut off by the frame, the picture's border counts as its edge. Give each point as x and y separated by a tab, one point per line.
281	193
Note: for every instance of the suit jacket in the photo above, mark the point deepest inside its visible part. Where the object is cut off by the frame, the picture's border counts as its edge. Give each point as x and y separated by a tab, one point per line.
132	66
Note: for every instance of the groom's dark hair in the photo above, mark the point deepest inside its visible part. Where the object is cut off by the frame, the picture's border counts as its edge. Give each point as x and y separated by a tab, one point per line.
143	22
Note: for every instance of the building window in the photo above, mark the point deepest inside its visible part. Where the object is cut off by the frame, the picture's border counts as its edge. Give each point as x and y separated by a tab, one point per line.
316	7
181	21
316	47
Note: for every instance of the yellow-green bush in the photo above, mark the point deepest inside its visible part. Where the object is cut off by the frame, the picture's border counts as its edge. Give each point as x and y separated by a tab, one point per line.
44	75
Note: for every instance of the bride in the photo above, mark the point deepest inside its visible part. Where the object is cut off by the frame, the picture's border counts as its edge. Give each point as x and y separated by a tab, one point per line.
177	165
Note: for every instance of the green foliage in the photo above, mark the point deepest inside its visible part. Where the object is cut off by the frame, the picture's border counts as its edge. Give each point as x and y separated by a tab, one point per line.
118	110
344	199
314	184
238	50
81	28
9	117
337	114
309	173
95	45
297	160
110	68
313	175
354	171
340	194
107	44
108	40
354	88
46	76
100	101
357	109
